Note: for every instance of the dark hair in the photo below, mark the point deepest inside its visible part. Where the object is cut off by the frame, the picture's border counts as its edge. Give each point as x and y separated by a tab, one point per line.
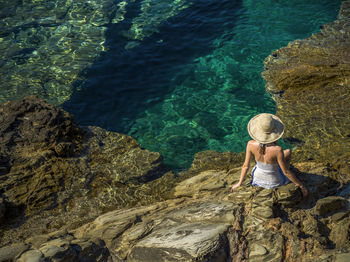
262	148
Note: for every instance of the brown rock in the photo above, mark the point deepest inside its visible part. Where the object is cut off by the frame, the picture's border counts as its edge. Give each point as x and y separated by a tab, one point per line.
56	174
9	253
310	80
330	205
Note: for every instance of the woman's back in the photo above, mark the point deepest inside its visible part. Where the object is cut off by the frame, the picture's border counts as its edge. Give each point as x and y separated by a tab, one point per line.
267	155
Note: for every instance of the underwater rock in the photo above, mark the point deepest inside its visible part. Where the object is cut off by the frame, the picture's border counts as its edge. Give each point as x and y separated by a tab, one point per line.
152	15
310	81
46	45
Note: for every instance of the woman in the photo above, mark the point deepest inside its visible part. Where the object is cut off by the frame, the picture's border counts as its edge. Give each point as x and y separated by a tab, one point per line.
272	162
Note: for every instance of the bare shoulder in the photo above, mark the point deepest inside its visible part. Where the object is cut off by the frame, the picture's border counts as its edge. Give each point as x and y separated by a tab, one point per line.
277	149
252	144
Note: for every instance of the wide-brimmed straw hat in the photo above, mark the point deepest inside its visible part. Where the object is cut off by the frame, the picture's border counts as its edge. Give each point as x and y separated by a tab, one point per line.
265	128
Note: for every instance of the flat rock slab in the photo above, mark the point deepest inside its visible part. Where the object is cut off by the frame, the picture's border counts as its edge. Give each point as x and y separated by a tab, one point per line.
184	242
205	182
210	211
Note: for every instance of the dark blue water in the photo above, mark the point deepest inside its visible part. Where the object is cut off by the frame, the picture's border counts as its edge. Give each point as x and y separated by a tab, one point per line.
190	81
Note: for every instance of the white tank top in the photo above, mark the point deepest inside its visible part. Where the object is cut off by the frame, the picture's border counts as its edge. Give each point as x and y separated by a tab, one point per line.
268	175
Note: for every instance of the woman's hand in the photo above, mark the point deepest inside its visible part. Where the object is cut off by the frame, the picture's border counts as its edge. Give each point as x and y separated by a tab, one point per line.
304	191
235	186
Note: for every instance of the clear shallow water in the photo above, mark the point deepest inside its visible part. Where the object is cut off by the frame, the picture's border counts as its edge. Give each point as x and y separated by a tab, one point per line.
195	83
180	76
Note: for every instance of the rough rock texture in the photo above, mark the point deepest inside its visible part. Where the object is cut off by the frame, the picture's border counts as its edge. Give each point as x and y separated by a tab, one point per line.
208	223
310	80
57	173
56	248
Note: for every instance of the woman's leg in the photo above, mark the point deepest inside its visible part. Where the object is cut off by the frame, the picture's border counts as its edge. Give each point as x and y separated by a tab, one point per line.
287	156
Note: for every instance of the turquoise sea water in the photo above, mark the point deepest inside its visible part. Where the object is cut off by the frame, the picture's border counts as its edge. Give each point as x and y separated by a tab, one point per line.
180	76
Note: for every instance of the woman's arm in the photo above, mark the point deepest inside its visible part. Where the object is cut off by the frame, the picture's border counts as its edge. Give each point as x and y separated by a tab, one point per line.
245	167
288	173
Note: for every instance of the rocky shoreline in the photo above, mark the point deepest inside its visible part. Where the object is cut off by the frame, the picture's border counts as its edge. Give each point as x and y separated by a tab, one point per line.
70	193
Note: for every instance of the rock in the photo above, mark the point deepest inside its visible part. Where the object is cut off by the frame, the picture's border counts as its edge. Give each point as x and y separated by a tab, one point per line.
209	211
124	229
288	195
9	253
182	243
211	160
210	180
257	250
61	174
310	80
329	205
2	209
344	257
111	225
92	250
339	235
345	191
61	249
22	123
31	256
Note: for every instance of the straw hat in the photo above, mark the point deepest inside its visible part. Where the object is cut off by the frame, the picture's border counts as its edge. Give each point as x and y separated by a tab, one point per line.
265	128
